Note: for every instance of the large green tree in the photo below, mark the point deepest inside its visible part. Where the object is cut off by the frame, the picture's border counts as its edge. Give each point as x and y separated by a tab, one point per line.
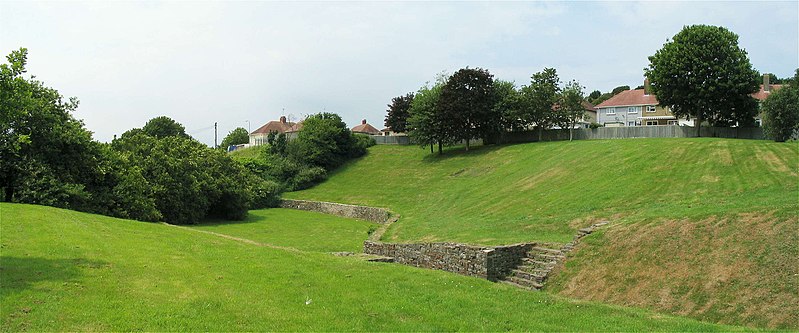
538	98
398	113
781	111
46	155
570	106
702	72
424	126
467	102
235	137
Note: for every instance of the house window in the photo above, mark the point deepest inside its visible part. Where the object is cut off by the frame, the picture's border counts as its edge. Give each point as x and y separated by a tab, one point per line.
650	108
651	123
630	123
674	122
610	111
632	109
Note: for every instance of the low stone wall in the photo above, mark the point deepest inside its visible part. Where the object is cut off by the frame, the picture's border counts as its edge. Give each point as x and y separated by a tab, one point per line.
485	262
377	215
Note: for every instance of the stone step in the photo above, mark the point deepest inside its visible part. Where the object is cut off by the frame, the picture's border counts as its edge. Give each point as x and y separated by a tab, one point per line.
516	285
538	263
525	283
537	277
545	250
534	270
549	257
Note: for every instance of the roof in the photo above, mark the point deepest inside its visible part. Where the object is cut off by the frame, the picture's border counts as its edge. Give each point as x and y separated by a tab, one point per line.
629	98
296	127
588	106
762	94
365	128
280	126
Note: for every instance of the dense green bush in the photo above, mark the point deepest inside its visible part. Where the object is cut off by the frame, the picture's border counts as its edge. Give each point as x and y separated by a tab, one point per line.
781	112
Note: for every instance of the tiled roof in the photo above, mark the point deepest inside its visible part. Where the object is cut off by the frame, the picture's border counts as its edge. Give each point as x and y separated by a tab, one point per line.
280	126
762	94
365	128
628	98
588	106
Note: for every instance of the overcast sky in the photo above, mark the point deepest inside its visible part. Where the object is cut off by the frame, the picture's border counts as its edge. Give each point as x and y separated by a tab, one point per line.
233	62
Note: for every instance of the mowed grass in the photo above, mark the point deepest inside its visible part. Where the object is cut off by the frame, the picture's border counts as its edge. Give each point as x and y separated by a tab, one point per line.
546	191
307	231
67	271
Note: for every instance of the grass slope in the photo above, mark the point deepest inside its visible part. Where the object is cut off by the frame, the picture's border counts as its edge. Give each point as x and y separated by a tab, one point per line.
545	191
68	271
699	227
307	231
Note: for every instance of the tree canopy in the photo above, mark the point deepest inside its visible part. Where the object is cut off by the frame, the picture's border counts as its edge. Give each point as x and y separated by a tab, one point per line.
781	111
398	113
702	72
235	137
467	99
163	126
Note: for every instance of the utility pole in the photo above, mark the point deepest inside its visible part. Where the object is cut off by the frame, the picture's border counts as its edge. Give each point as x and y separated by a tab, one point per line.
215	146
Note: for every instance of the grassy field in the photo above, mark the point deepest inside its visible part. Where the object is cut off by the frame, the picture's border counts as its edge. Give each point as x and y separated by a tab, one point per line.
68	271
307	231
705	227
546	191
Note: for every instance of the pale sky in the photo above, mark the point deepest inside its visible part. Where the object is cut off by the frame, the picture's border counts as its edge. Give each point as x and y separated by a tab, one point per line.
233	62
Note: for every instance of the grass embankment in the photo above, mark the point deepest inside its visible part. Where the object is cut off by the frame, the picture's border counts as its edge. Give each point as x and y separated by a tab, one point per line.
249	152
68	271
701	227
546	191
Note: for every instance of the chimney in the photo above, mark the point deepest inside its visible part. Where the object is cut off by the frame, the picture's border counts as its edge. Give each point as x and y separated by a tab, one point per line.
766	85
647	88
283	119
363	122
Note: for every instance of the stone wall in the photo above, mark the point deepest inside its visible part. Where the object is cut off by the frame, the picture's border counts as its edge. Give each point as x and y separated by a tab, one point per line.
377	215
485	262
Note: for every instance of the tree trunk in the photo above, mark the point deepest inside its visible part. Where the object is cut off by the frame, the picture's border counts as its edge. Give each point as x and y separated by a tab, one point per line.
467	144
698	124
431	147
540	132
440	150
571	128
9	195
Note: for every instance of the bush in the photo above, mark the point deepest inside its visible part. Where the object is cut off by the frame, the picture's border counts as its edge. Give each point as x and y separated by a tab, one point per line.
594	125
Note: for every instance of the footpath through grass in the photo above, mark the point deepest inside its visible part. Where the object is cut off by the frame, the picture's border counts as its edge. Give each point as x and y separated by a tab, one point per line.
68	271
546	191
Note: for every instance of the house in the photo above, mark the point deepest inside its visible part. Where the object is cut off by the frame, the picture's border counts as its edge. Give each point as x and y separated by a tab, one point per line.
258	137
765	91
635	108
365	128
590	115
389	132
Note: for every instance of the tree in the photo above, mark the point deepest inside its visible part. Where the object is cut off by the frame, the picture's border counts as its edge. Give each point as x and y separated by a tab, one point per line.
781	111
424	125
619	89
570	105
235	137
46	155
702	72
507	107
467	102
163	126
538	98
323	141
398	112
594	95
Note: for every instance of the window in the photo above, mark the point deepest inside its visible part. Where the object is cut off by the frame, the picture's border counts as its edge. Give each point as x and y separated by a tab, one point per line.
650	108
632	109
651	123
673	122
630	123
610	111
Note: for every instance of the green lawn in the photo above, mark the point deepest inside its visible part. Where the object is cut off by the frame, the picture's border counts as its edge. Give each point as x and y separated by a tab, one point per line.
67	271
307	231
545	191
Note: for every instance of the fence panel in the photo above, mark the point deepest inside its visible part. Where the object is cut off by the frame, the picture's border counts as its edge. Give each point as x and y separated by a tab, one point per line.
603	133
